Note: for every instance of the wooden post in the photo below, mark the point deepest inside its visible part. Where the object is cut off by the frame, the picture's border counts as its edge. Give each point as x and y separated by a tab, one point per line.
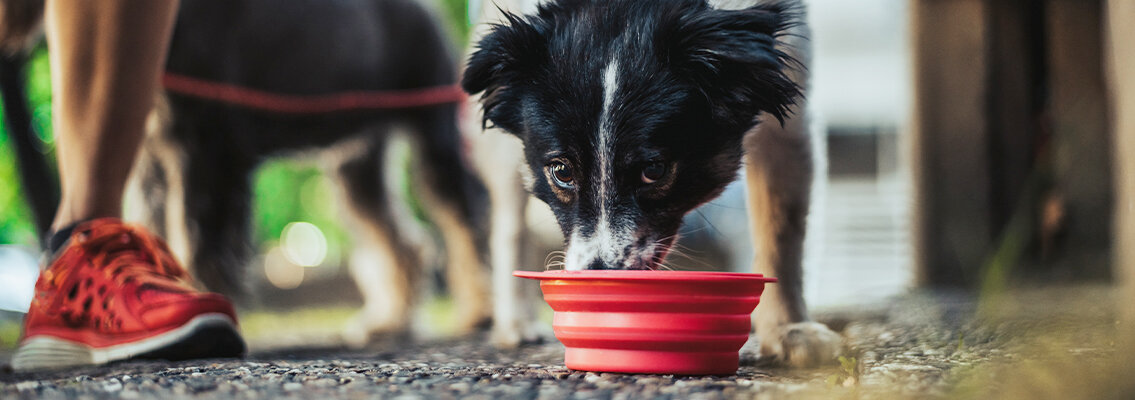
1016	78
1121	72
949	140
1080	141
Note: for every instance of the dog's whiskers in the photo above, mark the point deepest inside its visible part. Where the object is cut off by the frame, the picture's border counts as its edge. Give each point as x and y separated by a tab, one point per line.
685	254
684	248
552	256
555	260
678	250
667	238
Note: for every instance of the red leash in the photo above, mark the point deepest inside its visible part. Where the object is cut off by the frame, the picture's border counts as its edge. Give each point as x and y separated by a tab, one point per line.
311	104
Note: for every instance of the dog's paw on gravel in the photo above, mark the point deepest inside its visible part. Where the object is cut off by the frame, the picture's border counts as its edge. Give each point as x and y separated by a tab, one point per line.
803	344
521	333
362	330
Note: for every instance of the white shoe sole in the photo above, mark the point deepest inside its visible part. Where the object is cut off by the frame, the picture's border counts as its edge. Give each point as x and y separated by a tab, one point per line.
206	335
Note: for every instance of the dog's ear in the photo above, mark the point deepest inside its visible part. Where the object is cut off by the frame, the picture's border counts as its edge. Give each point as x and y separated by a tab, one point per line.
504	57
731	57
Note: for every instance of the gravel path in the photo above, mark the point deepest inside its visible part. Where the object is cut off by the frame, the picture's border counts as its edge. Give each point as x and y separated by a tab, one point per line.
920	346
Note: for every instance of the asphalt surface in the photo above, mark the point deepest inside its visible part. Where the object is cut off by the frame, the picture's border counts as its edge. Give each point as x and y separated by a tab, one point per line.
920	346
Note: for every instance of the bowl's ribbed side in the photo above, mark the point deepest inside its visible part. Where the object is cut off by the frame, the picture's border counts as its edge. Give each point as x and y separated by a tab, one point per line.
652	327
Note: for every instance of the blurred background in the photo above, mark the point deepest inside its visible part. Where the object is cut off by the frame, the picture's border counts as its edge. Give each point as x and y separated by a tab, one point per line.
966	145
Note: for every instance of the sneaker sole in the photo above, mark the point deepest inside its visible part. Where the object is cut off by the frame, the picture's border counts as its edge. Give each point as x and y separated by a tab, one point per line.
204	336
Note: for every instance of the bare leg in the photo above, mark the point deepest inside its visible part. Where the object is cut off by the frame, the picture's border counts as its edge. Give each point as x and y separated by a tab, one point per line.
106	57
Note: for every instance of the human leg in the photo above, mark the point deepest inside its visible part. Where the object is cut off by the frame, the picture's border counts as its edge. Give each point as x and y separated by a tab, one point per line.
112	291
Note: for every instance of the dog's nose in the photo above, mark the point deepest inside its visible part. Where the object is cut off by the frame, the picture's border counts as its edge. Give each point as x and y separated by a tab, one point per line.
597	264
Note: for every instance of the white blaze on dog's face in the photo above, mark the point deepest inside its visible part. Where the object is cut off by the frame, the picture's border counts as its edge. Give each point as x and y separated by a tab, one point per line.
631	113
606	244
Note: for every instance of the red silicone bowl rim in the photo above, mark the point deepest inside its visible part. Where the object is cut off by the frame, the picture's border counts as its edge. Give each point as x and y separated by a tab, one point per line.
622	275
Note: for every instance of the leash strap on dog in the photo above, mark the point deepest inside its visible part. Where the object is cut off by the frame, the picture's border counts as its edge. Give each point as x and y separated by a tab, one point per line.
310	104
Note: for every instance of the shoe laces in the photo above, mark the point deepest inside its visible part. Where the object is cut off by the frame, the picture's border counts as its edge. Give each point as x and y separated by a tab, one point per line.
123	252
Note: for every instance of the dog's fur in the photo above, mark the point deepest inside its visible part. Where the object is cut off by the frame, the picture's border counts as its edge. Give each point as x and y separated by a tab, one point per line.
649	106
205	158
20	25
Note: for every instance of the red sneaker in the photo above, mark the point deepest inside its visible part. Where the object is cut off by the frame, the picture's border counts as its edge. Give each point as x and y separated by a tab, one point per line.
115	292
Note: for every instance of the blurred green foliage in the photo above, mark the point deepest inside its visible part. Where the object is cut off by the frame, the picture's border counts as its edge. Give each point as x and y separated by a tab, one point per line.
15	218
10	329
456	16
16	226
285	190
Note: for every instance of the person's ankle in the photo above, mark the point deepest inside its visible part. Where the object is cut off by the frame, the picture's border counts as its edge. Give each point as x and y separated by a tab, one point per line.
57	239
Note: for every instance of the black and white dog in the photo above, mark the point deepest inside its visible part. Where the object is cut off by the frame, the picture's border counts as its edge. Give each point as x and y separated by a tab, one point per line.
633	113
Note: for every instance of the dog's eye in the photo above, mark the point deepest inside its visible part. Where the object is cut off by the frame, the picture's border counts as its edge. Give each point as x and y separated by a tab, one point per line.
653	172
562	173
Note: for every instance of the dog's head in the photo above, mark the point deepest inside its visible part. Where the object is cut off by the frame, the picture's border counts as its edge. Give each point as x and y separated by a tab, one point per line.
632	113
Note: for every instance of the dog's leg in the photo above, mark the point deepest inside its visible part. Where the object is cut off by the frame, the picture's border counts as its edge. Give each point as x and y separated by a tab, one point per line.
452	196
20	24
382	263
513	314
498	158
147	193
156	197
779	173
156	187
202	205
779	176
208	217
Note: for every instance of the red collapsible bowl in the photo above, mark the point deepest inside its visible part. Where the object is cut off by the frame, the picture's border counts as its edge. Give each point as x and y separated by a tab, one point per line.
654	322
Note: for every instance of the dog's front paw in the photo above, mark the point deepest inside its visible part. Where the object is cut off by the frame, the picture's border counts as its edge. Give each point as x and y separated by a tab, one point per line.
506	336
363	329
803	344
470	321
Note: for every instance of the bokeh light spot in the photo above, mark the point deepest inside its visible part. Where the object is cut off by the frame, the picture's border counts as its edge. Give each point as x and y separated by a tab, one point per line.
304	244
281	272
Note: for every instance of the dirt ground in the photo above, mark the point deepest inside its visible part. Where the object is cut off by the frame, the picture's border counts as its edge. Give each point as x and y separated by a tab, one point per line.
1032	343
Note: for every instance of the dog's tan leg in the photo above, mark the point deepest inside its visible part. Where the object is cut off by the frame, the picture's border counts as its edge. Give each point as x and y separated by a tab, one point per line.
464	273
778	173
382	263
450	194
384	276
779	176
